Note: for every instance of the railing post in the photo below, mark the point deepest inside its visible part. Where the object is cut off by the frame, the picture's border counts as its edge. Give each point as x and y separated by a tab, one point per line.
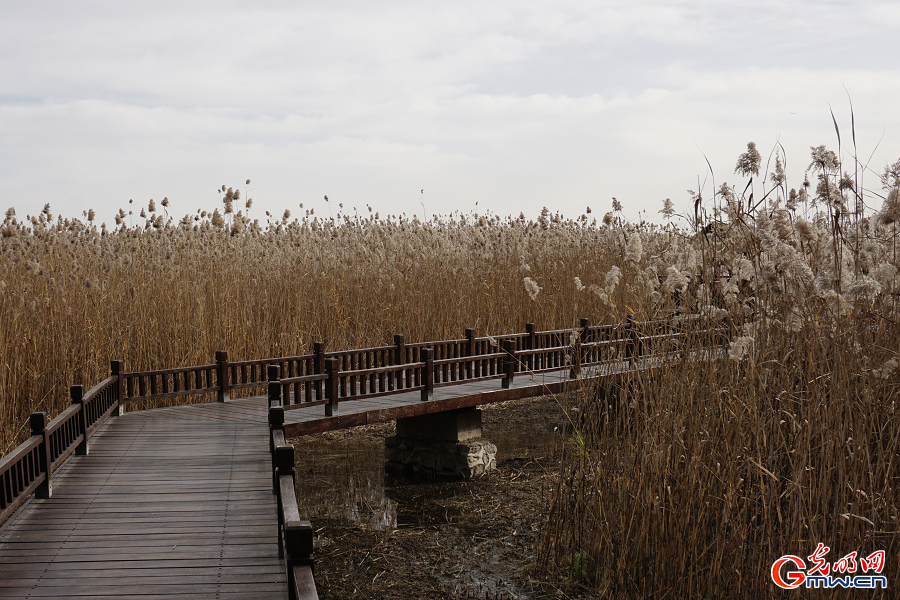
224	393
575	367
272	374
319	368
38	421
117	368
428	374
629	342
298	543
283	460
509	362
77	394
332	393
399	359
586	338
636	330
276	421
470	351
530	343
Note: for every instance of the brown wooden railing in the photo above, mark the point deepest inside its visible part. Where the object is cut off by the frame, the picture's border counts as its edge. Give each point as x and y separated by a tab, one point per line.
424	366
382	370
30	467
327	378
295	536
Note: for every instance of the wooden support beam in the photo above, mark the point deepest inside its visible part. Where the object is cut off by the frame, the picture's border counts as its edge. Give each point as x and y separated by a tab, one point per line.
509	363
428	374
470	351
38	422
332	391
117	368
224	392
77	394
398	359
530	342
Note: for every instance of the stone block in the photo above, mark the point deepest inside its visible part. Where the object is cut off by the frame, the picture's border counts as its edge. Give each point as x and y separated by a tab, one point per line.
442	459
452	463
450	426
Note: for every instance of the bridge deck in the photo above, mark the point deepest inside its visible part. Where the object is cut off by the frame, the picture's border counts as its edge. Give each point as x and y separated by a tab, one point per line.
170	503
302	420
177	502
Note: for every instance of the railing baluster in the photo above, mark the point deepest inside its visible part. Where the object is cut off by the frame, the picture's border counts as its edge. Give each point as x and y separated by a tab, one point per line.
38	423
77	394
332	391
395	379
319	367
509	363
224	392
428	374
469	352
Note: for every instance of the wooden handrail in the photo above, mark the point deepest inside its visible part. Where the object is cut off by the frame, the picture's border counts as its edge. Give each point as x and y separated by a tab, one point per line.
370	372
380	370
456	360
20	475
295	536
29	468
170	371
267	361
304	379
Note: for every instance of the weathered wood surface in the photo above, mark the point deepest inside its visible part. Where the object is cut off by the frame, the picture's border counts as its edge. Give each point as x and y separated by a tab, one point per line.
169	503
305	420
178	503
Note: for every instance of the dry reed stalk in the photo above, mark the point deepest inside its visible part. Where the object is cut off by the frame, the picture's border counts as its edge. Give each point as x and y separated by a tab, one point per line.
167	294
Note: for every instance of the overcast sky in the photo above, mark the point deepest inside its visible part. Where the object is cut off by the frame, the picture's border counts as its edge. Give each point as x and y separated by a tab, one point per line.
512	105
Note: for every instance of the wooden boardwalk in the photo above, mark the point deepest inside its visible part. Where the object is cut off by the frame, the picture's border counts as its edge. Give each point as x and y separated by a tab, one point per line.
199	501
178	502
303	420
169	503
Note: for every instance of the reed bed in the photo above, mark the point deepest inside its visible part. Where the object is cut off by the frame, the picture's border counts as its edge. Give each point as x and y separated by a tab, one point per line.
690	480
682	481
158	293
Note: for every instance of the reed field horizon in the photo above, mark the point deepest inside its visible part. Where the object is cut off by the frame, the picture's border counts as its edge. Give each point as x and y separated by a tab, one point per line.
686	481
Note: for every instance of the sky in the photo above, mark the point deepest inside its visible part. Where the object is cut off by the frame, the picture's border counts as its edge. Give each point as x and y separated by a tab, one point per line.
429	108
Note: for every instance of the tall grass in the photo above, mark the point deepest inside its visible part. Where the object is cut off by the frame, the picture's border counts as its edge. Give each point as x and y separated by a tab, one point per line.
689	481
684	481
161	293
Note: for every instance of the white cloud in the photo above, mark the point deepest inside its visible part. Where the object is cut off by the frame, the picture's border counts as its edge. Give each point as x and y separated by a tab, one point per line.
513	105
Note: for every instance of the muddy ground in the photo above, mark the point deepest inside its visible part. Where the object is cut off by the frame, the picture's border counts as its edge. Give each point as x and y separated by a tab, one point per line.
388	538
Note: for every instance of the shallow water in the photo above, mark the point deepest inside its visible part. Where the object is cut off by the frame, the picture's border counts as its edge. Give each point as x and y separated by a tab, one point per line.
343	479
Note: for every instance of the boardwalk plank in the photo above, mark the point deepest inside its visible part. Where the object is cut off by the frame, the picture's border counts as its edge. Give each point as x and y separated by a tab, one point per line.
172	503
177	502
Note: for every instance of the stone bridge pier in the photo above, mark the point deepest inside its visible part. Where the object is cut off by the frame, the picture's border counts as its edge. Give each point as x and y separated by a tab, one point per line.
444	445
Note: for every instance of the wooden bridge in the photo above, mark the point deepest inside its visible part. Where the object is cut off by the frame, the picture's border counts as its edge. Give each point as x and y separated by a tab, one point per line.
198	501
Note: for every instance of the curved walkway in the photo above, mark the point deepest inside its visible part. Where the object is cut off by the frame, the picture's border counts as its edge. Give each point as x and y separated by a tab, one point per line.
169	503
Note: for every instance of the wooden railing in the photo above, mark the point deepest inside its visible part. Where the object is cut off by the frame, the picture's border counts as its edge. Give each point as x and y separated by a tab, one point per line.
29	468
424	366
328	378
308	379
295	536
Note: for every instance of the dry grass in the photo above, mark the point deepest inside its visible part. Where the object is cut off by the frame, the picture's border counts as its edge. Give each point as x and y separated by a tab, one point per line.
685	481
164	294
689	481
